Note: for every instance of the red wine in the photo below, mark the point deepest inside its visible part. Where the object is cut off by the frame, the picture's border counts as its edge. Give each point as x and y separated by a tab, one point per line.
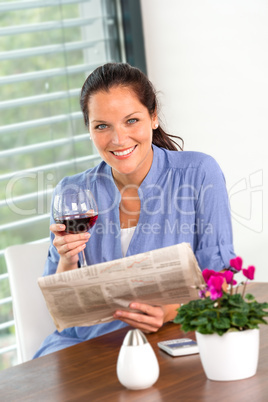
77	223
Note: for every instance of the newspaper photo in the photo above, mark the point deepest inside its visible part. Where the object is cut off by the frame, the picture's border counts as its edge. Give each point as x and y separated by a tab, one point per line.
91	295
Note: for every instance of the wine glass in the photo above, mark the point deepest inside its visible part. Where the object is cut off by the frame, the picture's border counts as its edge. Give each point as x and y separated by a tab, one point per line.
77	210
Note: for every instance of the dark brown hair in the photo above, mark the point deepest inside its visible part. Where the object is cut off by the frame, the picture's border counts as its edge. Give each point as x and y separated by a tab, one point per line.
122	74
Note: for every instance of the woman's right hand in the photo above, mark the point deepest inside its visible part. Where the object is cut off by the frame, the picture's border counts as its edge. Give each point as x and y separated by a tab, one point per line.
68	246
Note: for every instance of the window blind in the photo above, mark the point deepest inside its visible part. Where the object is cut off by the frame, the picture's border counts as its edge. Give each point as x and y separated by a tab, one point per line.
47	49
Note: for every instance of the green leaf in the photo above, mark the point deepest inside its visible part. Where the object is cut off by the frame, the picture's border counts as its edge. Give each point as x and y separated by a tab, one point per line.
222	323
219	331
223	310
264	305
249	297
238	320
236	300
209	328
209	314
256	321
188	328
178	320
199	321
204	330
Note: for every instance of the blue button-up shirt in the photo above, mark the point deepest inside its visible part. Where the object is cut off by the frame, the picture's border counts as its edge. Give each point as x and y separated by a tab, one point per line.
183	199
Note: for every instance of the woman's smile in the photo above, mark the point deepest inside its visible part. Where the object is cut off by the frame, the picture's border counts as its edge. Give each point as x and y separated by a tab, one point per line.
124	153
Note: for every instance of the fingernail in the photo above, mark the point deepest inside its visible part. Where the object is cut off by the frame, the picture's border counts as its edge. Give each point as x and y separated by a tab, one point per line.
62	226
133	305
87	235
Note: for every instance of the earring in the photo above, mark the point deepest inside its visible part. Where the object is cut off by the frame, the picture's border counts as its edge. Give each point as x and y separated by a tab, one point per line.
155	127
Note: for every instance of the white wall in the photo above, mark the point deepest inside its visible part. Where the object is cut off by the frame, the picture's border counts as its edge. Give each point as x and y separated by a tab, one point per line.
209	60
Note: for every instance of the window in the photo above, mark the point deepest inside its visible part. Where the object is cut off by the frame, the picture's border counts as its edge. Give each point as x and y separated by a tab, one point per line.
47	50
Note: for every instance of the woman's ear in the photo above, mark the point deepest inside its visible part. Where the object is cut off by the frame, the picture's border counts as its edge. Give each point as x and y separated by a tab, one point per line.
155	123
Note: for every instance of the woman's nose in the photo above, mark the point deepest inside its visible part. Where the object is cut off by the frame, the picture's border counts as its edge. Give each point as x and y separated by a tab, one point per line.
118	136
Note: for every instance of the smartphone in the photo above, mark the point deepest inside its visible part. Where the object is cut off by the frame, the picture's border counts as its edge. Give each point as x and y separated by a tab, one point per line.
179	347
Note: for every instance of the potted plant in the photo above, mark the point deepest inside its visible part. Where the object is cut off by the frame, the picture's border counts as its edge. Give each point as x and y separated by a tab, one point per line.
226	323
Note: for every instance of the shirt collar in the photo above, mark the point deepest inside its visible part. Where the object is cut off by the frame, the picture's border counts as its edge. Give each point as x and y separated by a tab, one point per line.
155	171
152	176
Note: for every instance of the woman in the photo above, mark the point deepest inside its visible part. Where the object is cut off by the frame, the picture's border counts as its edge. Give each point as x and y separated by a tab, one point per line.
149	195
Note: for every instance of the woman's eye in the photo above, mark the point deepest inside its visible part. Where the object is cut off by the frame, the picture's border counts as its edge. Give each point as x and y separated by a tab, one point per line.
101	126
131	121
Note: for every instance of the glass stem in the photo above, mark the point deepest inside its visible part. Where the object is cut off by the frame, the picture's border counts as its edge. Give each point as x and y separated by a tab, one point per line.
83	262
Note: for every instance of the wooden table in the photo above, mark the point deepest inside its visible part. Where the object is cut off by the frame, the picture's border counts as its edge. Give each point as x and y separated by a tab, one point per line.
87	372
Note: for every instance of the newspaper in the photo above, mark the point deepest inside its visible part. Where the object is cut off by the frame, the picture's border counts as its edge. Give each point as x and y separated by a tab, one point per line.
91	295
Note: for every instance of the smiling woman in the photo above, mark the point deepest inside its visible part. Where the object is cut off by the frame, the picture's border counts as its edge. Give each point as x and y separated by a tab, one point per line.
145	184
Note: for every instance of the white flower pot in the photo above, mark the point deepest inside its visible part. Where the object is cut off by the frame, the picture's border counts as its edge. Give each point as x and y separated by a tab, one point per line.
232	356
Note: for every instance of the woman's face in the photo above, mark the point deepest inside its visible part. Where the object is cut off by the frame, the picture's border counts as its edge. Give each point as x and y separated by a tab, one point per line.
121	129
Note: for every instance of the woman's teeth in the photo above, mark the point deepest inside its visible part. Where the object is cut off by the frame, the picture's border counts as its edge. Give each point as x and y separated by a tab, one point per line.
127	151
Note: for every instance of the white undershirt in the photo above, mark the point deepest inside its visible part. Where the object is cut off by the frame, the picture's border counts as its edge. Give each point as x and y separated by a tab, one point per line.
126	236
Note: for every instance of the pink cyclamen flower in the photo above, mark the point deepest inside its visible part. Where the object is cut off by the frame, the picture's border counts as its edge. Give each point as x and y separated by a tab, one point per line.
236	263
207	273
228	275
215	286
249	273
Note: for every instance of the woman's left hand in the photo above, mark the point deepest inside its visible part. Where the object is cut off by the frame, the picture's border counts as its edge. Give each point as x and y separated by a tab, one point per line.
148	319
